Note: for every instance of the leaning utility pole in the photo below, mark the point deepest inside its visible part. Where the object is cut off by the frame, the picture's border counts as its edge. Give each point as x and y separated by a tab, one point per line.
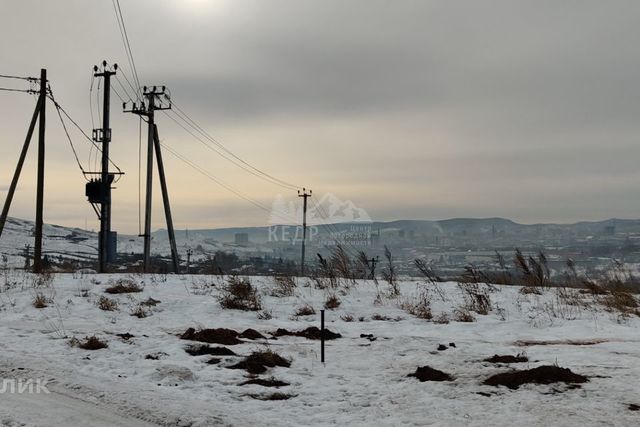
38	114
304	196
104	135
158	98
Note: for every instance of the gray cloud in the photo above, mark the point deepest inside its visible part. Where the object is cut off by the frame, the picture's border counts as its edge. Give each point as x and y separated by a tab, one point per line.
414	108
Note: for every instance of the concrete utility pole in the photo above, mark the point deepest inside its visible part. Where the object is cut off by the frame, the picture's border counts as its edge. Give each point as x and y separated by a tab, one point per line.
103	136
304	196
158	98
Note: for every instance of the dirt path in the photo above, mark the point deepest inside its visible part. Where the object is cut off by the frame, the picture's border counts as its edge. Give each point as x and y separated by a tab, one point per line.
56	409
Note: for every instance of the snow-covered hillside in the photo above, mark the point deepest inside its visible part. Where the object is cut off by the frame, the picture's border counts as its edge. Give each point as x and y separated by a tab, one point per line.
78	244
145	376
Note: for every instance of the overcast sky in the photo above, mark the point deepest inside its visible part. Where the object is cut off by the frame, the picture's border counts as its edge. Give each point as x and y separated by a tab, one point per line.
411	109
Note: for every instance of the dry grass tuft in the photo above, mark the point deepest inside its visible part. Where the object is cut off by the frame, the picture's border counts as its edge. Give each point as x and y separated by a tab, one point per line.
107	304
332	302
240	294
123	286
305	310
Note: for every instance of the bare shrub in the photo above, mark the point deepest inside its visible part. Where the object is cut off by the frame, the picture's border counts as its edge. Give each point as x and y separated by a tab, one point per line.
265	315
123	286
430	277
240	294
441	319
420	307
107	304
527	290
389	273
347	318
377	316
284	286
463	315
305	310
621	301
140	311
43	280
332	302
476	298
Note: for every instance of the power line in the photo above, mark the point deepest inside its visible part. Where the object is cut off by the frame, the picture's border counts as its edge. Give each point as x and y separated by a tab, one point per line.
87	137
6	89
221	183
125	41
207	135
31	79
223	155
75	154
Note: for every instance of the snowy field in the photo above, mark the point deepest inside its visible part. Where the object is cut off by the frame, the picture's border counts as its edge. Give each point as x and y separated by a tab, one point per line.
149	378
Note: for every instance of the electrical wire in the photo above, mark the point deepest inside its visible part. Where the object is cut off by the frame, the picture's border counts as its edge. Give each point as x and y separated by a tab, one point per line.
203	142
6	89
253	170
73	149
125	41
91	141
4	76
221	183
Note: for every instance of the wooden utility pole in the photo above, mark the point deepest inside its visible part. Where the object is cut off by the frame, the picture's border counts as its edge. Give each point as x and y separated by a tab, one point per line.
165	201
304	196
158	98
37	252
38	114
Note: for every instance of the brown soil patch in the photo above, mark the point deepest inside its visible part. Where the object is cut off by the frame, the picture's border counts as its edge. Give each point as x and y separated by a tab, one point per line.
541	375
212	336
258	362
560	342
202	350
271	382
272	396
251	334
426	373
507	359
312	333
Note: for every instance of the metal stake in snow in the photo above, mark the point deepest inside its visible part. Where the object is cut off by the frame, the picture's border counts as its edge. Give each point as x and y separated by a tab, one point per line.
322	336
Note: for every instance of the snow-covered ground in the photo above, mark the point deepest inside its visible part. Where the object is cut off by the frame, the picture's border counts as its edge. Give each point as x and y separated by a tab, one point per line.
363	382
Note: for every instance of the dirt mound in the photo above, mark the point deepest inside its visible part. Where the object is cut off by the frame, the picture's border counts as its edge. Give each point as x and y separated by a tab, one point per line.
312	333
507	359
271	382
258	362
212	336
541	375
127	336
202	350
272	396
426	373
251	334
